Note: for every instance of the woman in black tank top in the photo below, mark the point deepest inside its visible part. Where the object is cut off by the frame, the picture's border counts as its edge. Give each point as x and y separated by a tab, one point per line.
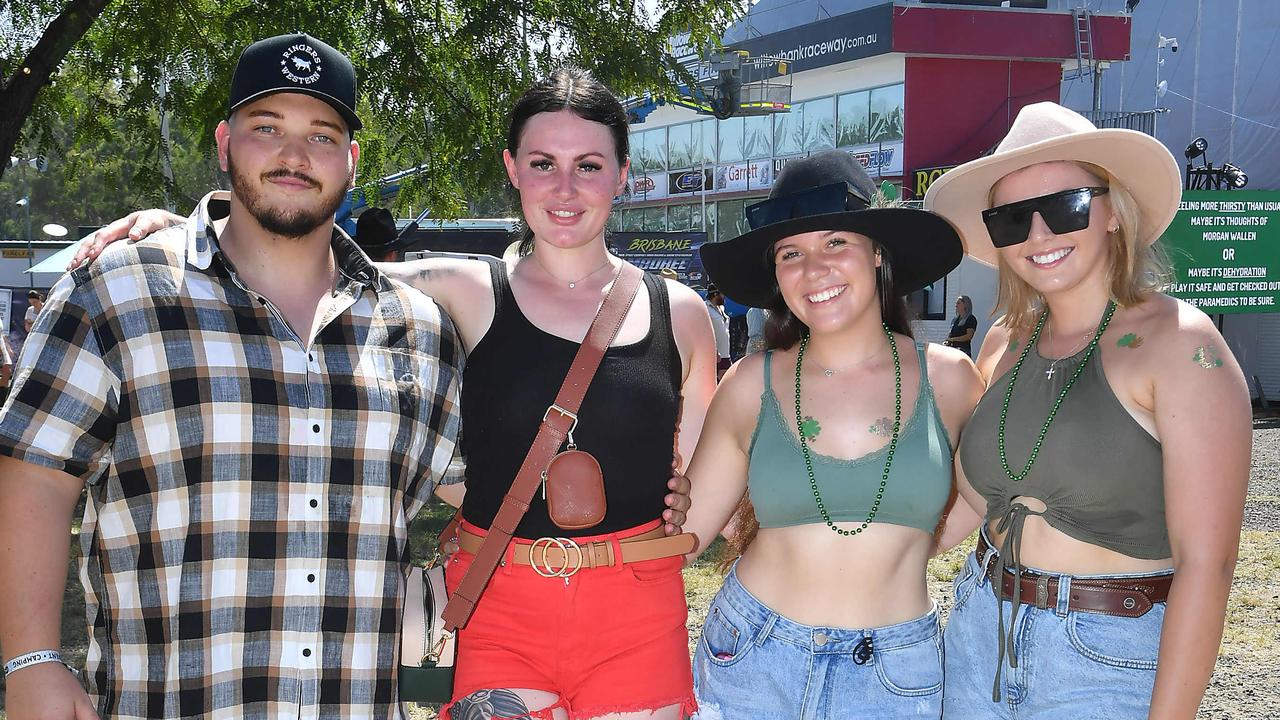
1110	454
586	620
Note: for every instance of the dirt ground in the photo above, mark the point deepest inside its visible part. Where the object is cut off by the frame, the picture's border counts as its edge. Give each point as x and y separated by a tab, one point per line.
1245	685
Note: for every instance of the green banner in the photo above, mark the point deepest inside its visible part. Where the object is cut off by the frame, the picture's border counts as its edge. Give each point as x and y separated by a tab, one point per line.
1225	248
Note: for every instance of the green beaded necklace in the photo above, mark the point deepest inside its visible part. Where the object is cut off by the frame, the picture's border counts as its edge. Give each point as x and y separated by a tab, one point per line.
893	442
1013	378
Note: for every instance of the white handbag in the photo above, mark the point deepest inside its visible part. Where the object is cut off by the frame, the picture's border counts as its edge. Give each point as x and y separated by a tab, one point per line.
427	651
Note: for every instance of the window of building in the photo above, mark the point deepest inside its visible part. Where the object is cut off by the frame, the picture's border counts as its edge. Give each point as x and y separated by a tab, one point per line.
731	218
818	124
709	221
757	134
886	118
788	131
731	142
655	219
681	218
633	220
853	114
704	138
931	302
649	151
680	146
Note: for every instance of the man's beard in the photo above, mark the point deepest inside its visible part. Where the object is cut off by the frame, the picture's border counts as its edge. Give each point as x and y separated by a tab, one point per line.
291	223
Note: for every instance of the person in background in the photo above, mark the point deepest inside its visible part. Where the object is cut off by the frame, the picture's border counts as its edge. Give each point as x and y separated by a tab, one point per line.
35	303
756	319
720	324
963	326
376	234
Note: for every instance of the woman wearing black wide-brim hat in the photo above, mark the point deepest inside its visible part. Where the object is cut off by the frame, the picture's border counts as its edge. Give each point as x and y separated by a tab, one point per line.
842	431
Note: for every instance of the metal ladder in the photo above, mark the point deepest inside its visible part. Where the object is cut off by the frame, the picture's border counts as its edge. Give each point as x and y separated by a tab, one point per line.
1082	20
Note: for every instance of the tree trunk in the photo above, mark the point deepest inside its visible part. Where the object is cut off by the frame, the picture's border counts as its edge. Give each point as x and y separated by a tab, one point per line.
18	92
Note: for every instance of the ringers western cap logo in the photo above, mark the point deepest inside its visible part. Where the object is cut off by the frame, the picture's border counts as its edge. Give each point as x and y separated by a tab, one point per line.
297	63
300	63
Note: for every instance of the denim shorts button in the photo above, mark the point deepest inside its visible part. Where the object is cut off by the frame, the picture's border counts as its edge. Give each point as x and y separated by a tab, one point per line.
819	638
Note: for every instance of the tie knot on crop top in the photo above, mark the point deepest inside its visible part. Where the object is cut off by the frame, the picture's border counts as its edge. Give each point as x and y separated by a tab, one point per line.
915	494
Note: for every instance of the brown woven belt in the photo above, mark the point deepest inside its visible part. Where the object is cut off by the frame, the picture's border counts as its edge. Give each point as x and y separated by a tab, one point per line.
562	557
1121	596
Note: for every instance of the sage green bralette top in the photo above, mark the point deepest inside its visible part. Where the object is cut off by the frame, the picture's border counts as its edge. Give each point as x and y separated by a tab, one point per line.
919	479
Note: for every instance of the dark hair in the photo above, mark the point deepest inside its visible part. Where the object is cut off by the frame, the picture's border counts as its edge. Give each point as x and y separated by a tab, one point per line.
574	89
34	294
783	330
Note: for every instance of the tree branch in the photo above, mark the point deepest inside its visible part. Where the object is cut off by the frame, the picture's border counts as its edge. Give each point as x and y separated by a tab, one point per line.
19	91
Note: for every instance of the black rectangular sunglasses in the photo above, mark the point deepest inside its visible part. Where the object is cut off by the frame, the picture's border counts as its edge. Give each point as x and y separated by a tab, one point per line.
1064	212
820	200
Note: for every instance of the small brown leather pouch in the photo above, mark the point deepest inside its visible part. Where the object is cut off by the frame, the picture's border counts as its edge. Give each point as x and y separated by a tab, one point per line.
574	488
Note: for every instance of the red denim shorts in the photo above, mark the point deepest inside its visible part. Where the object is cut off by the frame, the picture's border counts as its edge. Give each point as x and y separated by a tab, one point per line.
605	640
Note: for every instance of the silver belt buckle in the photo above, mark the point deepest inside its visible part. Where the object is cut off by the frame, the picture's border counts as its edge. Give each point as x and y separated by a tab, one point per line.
1042	592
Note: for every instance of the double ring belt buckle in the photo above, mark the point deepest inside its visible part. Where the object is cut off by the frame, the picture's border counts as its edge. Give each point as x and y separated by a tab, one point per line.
542	565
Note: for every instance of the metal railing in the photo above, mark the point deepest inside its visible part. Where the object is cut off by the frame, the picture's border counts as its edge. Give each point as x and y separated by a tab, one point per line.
1142	120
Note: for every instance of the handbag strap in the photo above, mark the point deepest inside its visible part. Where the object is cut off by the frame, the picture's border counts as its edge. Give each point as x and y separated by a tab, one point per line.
557	422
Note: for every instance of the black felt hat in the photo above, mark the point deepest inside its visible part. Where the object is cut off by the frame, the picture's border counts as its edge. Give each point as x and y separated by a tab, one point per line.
295	63
376	231
922	246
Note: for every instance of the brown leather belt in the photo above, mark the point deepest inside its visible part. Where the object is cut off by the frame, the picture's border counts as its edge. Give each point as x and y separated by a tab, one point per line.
562	557
1121	596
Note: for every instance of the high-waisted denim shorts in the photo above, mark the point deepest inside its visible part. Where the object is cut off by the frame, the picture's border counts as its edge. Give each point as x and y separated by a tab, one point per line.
1070	664
753	663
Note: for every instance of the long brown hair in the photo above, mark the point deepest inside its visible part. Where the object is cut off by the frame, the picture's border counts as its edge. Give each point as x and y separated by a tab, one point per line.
783	330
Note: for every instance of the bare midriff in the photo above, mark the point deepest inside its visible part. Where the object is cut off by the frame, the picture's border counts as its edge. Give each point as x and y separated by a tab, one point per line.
813	576
1050	550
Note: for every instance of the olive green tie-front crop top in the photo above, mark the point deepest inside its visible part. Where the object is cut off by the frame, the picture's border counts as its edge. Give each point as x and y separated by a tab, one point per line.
1099	473
919	481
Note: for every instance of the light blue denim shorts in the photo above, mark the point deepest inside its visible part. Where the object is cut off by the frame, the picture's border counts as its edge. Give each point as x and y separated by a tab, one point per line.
1070	664
753	663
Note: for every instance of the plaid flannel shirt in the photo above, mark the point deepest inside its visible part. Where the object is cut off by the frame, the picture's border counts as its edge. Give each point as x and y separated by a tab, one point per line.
245	541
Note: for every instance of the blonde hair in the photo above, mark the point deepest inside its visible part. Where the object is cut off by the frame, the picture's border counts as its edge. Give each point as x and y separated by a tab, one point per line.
1134	273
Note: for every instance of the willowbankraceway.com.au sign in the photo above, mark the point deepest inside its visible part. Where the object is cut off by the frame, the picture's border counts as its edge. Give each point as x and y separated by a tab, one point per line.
1225	249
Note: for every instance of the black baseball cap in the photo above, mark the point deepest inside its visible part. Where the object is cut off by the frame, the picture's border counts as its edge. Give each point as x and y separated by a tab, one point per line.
295	63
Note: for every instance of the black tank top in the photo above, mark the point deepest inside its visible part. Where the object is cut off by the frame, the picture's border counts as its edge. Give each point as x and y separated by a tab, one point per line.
627	420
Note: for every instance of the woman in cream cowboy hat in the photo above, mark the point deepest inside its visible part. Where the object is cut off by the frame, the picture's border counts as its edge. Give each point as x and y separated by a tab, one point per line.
1109	457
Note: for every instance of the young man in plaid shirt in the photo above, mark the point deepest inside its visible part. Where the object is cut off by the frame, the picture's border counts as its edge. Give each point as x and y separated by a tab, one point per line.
256	411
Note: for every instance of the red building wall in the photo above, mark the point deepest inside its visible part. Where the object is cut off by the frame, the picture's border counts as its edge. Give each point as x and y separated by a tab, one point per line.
958	108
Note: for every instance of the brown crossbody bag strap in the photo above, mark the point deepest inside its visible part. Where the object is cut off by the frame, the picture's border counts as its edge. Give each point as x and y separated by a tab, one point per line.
557	422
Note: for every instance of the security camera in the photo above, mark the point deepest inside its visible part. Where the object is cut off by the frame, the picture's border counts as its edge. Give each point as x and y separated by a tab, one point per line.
1168	42
1173	45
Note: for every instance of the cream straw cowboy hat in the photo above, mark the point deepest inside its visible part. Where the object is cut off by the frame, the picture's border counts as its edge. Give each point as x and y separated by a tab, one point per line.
1047	132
